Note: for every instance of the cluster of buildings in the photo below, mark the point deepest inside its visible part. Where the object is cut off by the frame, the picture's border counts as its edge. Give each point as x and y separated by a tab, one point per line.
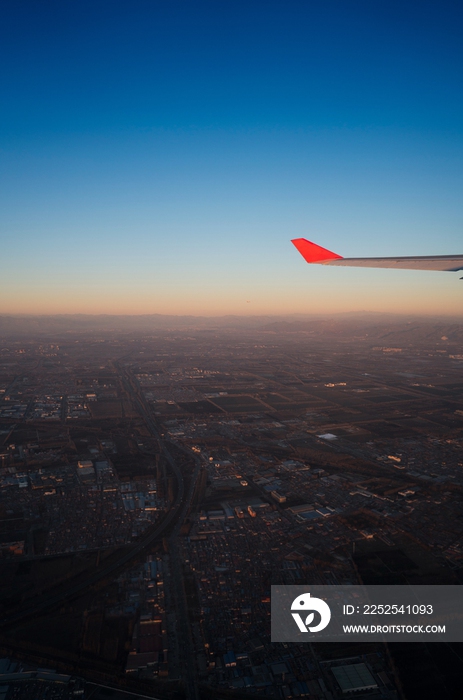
309	449
24	681
73	507
142	599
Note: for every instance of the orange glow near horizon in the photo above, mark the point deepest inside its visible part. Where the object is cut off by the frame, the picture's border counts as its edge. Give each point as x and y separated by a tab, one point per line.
442	297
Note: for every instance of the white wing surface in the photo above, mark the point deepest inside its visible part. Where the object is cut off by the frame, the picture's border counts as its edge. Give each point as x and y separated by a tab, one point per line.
313	253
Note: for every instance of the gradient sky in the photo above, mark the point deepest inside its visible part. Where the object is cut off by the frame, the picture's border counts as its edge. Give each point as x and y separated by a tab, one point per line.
157	156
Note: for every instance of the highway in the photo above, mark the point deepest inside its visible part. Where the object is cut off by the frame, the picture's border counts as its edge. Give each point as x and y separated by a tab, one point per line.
185	640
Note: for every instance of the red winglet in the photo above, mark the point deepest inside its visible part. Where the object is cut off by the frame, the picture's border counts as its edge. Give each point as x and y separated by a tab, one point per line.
313	253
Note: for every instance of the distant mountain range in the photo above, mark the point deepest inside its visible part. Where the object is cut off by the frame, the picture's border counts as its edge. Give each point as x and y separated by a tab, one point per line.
388	328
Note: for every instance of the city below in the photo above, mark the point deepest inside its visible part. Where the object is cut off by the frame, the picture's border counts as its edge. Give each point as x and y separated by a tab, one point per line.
159	474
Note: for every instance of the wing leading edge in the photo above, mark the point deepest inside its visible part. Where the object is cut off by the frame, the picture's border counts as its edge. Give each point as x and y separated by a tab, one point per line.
313	253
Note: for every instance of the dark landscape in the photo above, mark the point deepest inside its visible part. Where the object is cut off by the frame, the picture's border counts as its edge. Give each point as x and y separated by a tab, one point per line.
159	474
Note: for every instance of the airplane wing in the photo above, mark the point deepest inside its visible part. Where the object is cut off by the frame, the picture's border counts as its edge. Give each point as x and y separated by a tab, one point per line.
314	253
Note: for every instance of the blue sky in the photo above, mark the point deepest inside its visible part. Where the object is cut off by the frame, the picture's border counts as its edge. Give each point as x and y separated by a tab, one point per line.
158	156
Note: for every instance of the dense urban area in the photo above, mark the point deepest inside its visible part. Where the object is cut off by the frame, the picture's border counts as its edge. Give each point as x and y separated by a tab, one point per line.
157	478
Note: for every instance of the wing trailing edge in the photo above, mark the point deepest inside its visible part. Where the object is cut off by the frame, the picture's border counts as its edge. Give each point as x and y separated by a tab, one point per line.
313	253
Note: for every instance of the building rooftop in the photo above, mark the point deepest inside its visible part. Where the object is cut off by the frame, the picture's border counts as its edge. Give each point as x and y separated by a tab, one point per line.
354	677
